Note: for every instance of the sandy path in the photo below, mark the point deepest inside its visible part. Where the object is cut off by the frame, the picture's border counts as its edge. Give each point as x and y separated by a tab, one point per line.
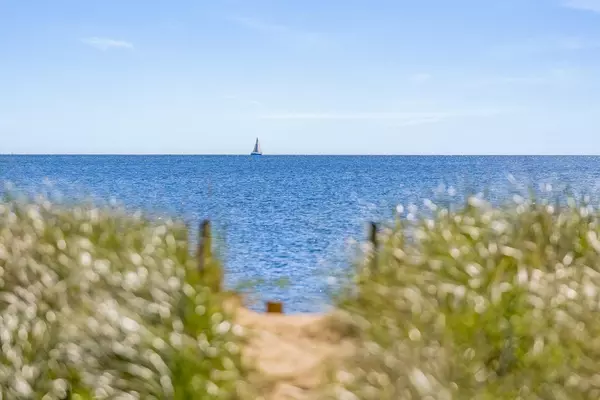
291	353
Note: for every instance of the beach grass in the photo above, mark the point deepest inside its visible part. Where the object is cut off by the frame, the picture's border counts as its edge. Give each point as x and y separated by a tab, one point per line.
479	302
98	303
483	302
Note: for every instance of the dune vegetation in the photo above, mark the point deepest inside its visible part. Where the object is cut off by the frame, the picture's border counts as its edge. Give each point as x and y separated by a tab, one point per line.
96	303
480	302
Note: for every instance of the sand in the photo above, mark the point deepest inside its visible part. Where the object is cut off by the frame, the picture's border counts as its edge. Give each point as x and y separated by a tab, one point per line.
292	354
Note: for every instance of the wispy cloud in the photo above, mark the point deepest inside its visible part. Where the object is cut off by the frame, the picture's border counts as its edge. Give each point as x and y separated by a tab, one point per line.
416	121
106	43
576	43
555	76
586	5
398	118
258	25
280	31
421	77
242	100
536	46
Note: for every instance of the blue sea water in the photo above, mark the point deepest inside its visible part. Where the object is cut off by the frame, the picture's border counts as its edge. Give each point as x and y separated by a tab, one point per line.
290	217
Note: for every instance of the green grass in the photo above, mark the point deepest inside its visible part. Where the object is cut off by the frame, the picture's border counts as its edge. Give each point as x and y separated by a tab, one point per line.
95	303
479	303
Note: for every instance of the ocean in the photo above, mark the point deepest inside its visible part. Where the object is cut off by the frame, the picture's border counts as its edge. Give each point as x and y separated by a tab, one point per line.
291	217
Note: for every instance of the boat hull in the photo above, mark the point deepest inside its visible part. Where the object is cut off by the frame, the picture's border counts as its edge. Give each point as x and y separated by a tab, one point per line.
255	154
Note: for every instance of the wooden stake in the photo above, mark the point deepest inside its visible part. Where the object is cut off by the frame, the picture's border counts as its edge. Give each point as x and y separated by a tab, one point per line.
274	307
373	240
204	253
210	270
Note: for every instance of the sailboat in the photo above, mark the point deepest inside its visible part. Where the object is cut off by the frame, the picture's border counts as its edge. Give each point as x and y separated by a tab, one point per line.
256	151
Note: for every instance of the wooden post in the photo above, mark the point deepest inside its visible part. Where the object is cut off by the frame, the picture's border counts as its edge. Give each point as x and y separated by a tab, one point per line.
274	307
374	243
204	246
210	271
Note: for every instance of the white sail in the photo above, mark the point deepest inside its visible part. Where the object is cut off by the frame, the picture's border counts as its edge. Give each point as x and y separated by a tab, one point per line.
256	149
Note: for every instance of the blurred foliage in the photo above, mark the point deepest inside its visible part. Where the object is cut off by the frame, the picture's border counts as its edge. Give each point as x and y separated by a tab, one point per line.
483	302
95	303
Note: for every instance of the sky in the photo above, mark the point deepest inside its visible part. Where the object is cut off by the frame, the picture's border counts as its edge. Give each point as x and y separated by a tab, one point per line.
305	76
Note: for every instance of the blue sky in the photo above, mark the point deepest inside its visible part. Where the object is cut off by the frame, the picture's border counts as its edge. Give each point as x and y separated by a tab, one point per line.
306	76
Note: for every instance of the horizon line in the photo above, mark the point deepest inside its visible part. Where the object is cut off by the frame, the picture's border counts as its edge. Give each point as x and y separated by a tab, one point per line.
300	155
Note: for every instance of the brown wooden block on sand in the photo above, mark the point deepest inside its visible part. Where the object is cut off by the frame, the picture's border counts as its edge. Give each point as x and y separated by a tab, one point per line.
274	307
